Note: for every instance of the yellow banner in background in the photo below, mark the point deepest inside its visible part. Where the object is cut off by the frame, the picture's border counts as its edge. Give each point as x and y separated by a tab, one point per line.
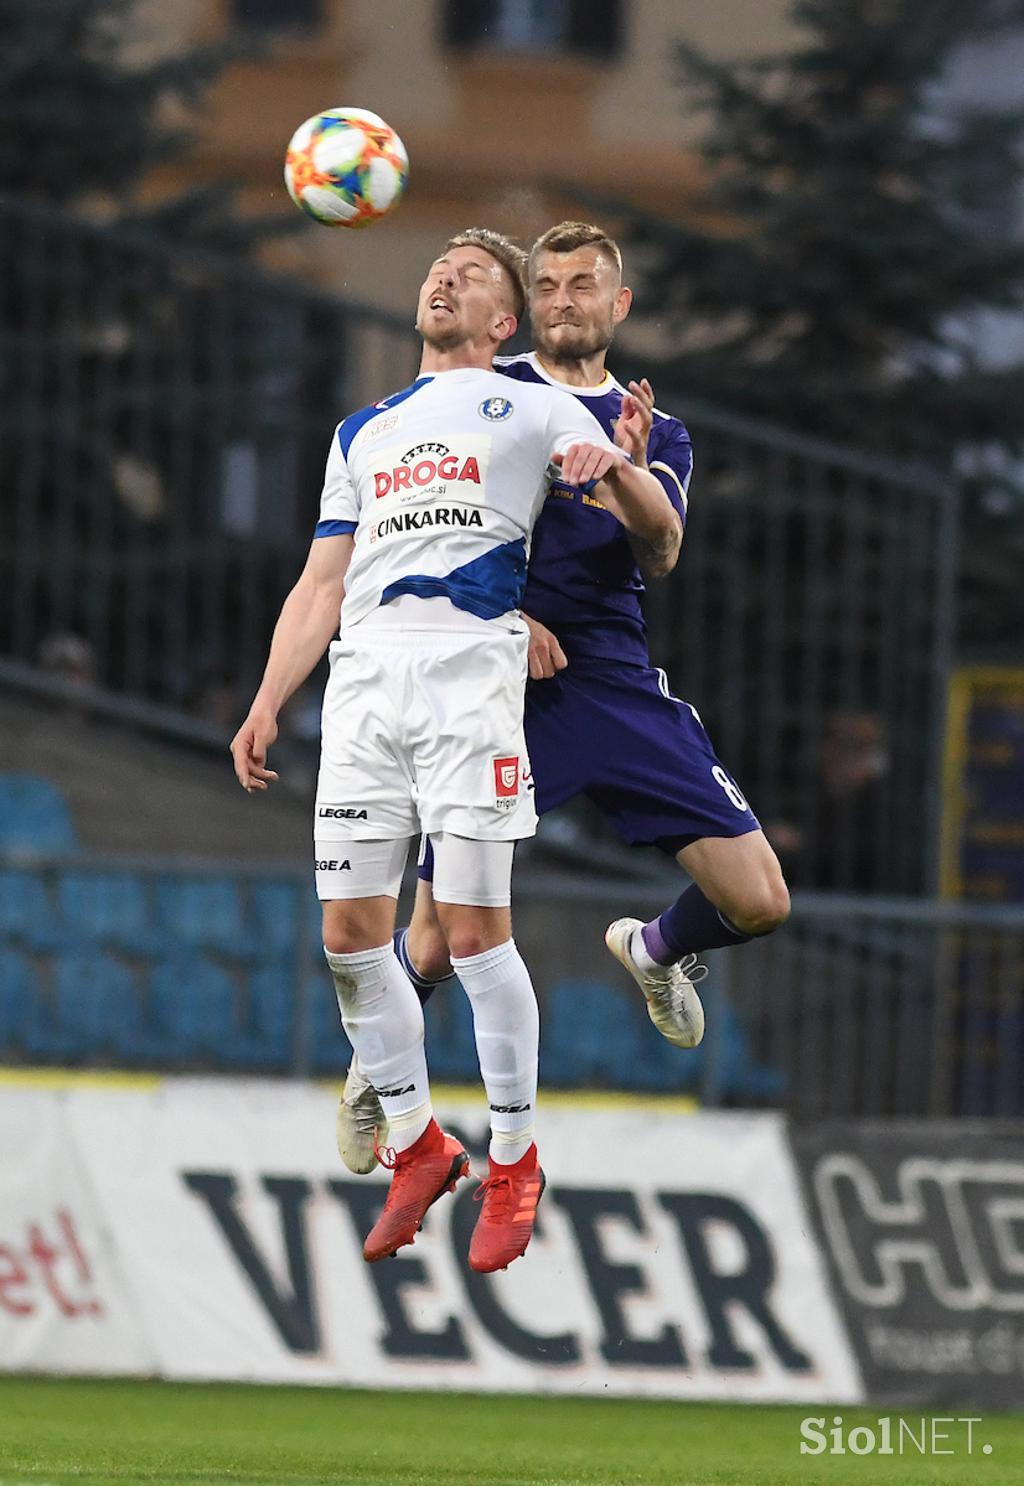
983	786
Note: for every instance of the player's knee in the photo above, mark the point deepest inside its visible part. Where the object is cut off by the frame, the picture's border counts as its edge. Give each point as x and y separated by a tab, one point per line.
346	931
766	909
471	936
428	951
466	941
341	939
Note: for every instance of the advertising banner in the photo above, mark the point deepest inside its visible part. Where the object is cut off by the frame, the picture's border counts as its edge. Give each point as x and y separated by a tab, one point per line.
672	1256
64	1303
923	1229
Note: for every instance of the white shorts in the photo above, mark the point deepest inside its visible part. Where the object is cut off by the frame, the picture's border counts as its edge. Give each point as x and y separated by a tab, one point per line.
423	731
471	872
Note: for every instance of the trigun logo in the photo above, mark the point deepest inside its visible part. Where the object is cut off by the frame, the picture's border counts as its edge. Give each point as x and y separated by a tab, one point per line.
506	782
427	464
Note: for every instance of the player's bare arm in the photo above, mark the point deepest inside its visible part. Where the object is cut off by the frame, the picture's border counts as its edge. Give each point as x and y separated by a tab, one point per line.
632	495
632	432
306	625
657	558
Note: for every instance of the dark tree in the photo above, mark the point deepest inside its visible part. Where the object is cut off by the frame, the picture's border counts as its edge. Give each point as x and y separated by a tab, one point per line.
80	119
132	360
864	228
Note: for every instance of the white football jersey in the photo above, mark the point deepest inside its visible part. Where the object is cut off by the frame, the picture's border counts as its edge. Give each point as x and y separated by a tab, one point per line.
441	484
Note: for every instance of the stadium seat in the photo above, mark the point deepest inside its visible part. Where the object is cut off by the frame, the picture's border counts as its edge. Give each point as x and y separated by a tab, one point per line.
34	815
81	1019
192	1006
267	1040
274	914
202	913
740	1078
108	908
17	987
27	913
329	1050
591	1036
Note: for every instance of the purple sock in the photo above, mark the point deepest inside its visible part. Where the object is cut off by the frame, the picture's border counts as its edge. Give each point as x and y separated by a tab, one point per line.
423	987
692	924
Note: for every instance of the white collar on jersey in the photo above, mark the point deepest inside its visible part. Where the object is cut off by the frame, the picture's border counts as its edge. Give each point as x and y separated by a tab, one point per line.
607	385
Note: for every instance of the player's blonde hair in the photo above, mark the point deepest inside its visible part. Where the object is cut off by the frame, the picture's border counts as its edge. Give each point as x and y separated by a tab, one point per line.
566	237
508	253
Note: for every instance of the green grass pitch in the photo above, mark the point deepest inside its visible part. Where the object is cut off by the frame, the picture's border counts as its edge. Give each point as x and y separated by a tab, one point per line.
55	1432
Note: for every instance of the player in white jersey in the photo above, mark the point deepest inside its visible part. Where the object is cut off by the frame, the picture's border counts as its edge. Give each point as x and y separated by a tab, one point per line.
428	504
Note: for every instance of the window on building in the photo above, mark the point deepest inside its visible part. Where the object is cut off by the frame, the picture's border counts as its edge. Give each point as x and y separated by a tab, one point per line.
588	27
278	15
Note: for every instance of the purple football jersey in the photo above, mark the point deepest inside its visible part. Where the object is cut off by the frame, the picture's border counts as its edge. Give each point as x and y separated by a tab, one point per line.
583	580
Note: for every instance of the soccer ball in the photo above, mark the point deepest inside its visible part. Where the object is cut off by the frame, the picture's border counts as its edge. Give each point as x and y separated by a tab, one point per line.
345	167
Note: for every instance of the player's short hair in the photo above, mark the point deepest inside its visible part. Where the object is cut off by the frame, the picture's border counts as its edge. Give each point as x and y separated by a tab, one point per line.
566	237
508	253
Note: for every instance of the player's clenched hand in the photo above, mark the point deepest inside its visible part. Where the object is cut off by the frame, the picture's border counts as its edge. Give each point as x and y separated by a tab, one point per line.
633	427
249	751
584	463
546	655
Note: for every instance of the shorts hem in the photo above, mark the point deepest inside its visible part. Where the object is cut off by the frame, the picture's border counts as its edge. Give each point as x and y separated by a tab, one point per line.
475	900
347	897
472	831
673	841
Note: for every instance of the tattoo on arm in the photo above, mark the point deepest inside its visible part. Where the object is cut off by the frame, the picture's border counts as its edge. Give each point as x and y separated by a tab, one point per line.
655	559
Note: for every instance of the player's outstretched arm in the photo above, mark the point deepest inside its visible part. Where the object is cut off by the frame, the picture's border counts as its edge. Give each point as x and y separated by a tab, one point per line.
634	496
306	625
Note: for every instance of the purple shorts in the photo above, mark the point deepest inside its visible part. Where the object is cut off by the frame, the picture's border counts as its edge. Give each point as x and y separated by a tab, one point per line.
615	734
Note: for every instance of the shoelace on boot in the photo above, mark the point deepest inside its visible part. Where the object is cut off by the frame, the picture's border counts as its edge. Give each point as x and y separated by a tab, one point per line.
694	973
386	1154
366	1113
499	1189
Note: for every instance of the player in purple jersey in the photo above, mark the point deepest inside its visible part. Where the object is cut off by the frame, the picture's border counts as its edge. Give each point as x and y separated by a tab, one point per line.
600	719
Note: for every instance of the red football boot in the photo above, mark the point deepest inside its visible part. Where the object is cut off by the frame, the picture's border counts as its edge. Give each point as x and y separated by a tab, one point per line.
423	1173
505	1225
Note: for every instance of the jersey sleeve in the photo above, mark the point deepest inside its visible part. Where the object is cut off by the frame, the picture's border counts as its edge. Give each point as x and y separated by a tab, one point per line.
569	422
339	503
670	461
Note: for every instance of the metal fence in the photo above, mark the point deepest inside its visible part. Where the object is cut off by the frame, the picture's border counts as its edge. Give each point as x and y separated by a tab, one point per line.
857	1007
164	419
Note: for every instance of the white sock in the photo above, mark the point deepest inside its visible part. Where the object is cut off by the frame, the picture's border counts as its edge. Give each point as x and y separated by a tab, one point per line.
507	1027
383	1019
641	958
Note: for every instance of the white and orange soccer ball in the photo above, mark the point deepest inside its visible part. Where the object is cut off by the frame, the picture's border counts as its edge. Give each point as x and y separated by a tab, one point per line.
346	167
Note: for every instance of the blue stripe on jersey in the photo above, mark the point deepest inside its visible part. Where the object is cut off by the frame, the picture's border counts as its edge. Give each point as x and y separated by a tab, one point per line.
333	528
488	587
355	421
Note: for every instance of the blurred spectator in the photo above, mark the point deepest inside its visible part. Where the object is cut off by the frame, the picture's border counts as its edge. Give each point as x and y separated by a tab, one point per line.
854	753
69	659
216	699
843	852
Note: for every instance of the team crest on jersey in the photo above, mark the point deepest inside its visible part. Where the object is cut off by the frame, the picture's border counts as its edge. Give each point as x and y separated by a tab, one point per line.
495	409
506	782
